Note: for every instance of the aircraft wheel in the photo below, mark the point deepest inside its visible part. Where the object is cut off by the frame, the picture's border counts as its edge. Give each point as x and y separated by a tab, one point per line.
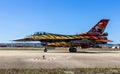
45	50
72	49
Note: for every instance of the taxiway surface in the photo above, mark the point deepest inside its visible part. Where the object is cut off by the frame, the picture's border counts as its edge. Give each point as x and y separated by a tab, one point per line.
32	59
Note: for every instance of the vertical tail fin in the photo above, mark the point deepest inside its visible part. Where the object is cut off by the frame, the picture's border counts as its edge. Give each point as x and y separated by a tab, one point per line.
99	27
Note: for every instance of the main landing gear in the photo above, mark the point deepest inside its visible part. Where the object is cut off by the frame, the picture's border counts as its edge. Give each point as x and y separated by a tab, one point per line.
72	49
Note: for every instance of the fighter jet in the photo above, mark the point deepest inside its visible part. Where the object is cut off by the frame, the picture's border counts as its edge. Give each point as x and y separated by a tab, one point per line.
92	38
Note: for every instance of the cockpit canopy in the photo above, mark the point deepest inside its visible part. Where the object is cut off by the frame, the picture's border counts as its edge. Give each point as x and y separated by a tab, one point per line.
46	33
40	33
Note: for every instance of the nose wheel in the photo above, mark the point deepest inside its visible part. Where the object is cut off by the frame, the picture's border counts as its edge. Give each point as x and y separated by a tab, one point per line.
45	50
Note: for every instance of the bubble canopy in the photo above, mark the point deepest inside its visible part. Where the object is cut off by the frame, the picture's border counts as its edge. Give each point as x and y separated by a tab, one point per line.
46	33
41	33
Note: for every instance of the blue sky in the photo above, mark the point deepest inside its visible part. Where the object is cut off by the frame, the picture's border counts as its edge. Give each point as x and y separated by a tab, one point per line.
19	18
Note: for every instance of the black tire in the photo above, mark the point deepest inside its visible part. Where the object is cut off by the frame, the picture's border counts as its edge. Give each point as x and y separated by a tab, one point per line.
45	50
72	49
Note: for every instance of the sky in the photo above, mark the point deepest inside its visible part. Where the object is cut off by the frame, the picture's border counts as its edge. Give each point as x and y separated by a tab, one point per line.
19	18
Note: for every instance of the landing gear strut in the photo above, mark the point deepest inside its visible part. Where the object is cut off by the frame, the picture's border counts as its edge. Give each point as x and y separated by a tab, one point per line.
45	50
45	45
72	49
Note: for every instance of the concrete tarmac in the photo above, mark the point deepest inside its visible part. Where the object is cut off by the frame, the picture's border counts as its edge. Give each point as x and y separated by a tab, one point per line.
35	59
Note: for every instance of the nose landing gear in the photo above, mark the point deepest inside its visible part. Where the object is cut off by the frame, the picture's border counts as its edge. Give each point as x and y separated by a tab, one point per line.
45	50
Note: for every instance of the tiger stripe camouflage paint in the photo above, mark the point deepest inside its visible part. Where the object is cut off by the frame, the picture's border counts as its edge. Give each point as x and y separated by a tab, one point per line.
63	37
93	36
